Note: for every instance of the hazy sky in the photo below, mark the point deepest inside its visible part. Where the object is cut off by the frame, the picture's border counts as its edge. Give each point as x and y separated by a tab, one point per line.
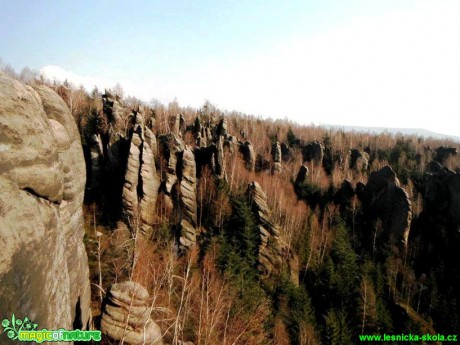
368	63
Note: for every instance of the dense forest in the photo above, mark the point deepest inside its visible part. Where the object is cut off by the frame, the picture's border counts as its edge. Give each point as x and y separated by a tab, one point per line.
247	230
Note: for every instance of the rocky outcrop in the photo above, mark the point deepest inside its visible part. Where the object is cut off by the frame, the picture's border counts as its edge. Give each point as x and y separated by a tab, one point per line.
114	111
433	167
140	189
96	160
222	127
443	153
219	158
43	266
302	175
262	164
276	157
248	155
126	315
314	153
287	153
187	198
383	198
270	252
272	249
343	197
441	196
174	124
359	160
171	148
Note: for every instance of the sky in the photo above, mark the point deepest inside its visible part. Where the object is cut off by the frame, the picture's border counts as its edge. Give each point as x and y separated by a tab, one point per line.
366	63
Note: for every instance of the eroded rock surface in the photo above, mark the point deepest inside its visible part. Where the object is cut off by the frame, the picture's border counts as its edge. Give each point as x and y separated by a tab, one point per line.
43	266
313	152
187	198
276	157
383	198
249	156
302	175
126	315
359	160
272	249
140	189
443	153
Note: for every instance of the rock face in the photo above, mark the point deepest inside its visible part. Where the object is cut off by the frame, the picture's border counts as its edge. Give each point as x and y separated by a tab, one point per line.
302	175
287	153
249	156
126	315
113	109
187	197
383	198
270	254
219	158
96	158
43	266
276	157
174	124
313	152
359	160
343	197
171	148
441	196
222	127
443	153
140	189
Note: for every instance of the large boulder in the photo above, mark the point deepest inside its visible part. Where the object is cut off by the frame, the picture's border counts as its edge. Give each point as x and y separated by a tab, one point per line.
443	153
441	195
302	176
383	198
249	156
344	197
313	152
126	315
43	266
359	160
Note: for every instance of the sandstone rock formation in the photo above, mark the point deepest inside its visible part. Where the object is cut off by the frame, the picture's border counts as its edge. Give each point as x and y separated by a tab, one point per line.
96	160
113	109
140	189
287	153
443	153
313	152
383	198
276	157
126	315
248	155
188	206
174	124
43	266
343	197
171	148
219	158
270	252
262	164
359	160
441	195
222	127
302	175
